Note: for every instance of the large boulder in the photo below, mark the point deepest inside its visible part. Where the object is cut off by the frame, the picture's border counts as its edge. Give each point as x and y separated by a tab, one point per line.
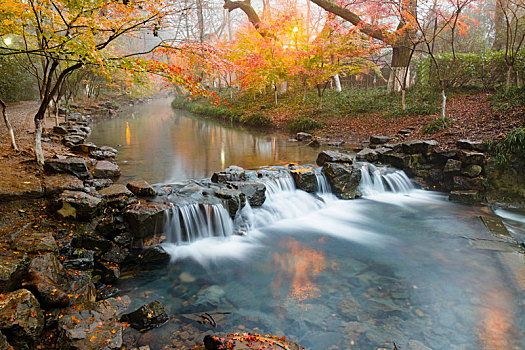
467	183
73	165
104	153
255	192
54	184
147	316
21	319
106	170
368	155
344	179
333	157
232	173
93	327
12	269
141	188
85	148
78	205
48	292
305	178
468	196
145	219
91	241
49	265
304	136
155	256
34	243
472	170
115	191
419	146
452	166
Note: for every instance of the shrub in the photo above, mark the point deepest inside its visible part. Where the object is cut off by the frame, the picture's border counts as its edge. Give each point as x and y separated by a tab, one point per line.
16	83
437	125
502	100
256	119
304	124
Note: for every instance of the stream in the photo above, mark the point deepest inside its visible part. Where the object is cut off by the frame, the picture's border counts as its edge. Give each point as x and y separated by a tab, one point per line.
400	265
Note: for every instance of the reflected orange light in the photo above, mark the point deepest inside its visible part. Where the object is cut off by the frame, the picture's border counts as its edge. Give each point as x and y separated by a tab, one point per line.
128	134
496	330
298	264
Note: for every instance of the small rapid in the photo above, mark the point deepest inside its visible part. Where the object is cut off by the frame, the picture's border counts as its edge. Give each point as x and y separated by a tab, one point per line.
377	180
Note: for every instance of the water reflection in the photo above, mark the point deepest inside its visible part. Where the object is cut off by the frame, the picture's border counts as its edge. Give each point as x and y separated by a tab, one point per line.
159	144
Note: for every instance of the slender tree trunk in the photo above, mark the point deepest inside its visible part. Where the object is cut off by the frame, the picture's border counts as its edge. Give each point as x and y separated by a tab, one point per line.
509	77
403	103
518	80
500	25
200	21
9	126
38	139
57	107
443	104
401	57
275	93
337	83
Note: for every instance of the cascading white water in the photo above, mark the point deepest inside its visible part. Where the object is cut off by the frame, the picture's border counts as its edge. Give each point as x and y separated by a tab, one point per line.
277	184
322	184
195	221
376	180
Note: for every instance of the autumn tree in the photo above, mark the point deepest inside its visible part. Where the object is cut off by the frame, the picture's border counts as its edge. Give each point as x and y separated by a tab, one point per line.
68	35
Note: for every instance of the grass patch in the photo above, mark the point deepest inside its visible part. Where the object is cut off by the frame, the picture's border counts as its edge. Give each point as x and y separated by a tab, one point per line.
502	101
256	119
205	108
510	149
303	124
437	125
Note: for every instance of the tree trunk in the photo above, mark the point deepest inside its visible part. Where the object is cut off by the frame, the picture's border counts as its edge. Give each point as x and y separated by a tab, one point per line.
200	21
518	80
275	93
57	107
9	126
443	104
500	25
401	57
403	103
38	139
337	83
509	77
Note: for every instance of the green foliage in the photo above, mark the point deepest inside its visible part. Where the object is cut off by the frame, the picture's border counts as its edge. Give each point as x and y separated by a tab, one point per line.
487	70
511	148
304	124
502	100
16	83
256	119
437	125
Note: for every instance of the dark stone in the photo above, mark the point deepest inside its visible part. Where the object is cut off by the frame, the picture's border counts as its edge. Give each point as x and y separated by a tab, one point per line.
81	259
339	143
379	140
73	139
155	255
110	226
34	243
99	183
467	183
441	157
235	199
344	180
255	192
21	319
452	166
395	147
397	160
54	184
82	287
73	165
85	148
4	345
11	272
115	191
59	130
109	271
419	146
304	178
90	241
469	197
145	219
125	239
47	291
472	170
93	327
435	177
102	155
468	157
333	157
404	132
115	254
304	136
78	205
147	316
472	145
49	265
232	173
141	188
106	170
368	155
315	143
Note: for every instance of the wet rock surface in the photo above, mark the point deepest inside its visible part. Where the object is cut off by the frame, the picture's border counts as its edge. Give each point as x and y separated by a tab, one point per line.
147	316
333	157
344	179
73	165
141	188
106	170
78	205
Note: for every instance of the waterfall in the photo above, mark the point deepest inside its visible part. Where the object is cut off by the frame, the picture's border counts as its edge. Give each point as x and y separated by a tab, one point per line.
277	184
322	184
195	221
376	180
